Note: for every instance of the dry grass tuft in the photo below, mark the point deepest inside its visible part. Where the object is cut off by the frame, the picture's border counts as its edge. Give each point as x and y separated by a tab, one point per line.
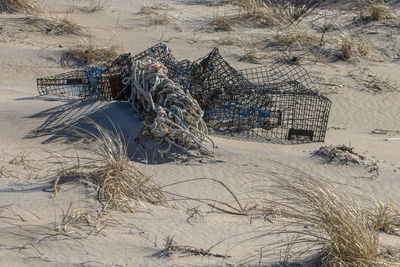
55	26
160	19
235	208
278	12
108	169
81	218
259	12
148	10
333	222
89	54
155	16
386	218
293	36
251	55
172	247
222	23
94	6
353	47
376	10
4	172
13	6
228	41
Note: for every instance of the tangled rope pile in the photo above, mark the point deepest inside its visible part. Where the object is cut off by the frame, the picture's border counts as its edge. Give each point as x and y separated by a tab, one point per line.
170	114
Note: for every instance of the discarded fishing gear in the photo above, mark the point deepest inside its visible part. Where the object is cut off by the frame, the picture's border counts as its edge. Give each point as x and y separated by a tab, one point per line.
101	82
270	103
170	114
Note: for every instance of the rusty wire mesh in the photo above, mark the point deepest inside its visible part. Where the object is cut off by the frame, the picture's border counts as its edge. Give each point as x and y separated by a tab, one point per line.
269	103
276	102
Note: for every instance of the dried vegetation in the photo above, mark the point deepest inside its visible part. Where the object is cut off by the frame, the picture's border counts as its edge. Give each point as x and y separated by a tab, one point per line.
376	10
341	154
258	11
157	15
334	225
222	23
272	12
89	54
56	26
292	37
108	169
345	155
81	218
94	6
172	247
14	6
386	218
351	46
227	41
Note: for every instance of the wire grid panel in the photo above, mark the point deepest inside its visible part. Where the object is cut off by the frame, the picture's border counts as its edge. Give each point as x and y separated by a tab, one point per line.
266	103
80	83
106	81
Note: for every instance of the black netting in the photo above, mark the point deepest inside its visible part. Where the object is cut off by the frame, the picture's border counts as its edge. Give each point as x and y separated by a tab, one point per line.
277	102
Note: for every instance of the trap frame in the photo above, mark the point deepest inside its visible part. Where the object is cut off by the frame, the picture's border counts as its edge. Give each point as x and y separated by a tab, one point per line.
270	103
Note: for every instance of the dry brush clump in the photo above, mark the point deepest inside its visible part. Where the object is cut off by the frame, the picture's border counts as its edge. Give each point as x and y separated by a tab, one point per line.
81	218
386	218
13	6
345	155
56	26
293	37
94	6
222	23
266	13
272	12
376	10
108	169
157	15
172	247
4	172
228	41
89	54
351	46
258	11
333	223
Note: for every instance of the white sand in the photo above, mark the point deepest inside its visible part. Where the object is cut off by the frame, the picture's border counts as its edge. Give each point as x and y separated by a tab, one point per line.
38	126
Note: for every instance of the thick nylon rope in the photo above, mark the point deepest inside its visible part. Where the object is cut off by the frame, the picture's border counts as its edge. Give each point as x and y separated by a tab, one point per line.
170	114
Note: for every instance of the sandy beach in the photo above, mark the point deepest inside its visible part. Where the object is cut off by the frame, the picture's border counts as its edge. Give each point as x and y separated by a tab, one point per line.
35	136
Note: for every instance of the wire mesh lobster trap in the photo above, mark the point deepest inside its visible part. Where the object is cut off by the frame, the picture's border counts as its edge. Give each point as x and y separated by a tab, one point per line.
264	103
271	103
81	83
106	81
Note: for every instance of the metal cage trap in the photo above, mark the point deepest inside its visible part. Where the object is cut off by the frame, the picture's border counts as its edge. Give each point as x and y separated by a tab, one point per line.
269	103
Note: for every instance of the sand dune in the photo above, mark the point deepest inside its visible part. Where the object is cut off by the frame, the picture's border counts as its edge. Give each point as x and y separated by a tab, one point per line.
34	130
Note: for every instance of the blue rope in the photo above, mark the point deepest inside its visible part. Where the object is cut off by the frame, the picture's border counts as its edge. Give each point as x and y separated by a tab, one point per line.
93	75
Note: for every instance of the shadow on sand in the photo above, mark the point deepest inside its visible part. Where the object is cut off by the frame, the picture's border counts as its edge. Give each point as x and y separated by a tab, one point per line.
64	122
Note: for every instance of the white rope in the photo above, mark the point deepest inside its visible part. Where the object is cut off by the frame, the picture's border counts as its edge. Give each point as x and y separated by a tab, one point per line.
170	114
